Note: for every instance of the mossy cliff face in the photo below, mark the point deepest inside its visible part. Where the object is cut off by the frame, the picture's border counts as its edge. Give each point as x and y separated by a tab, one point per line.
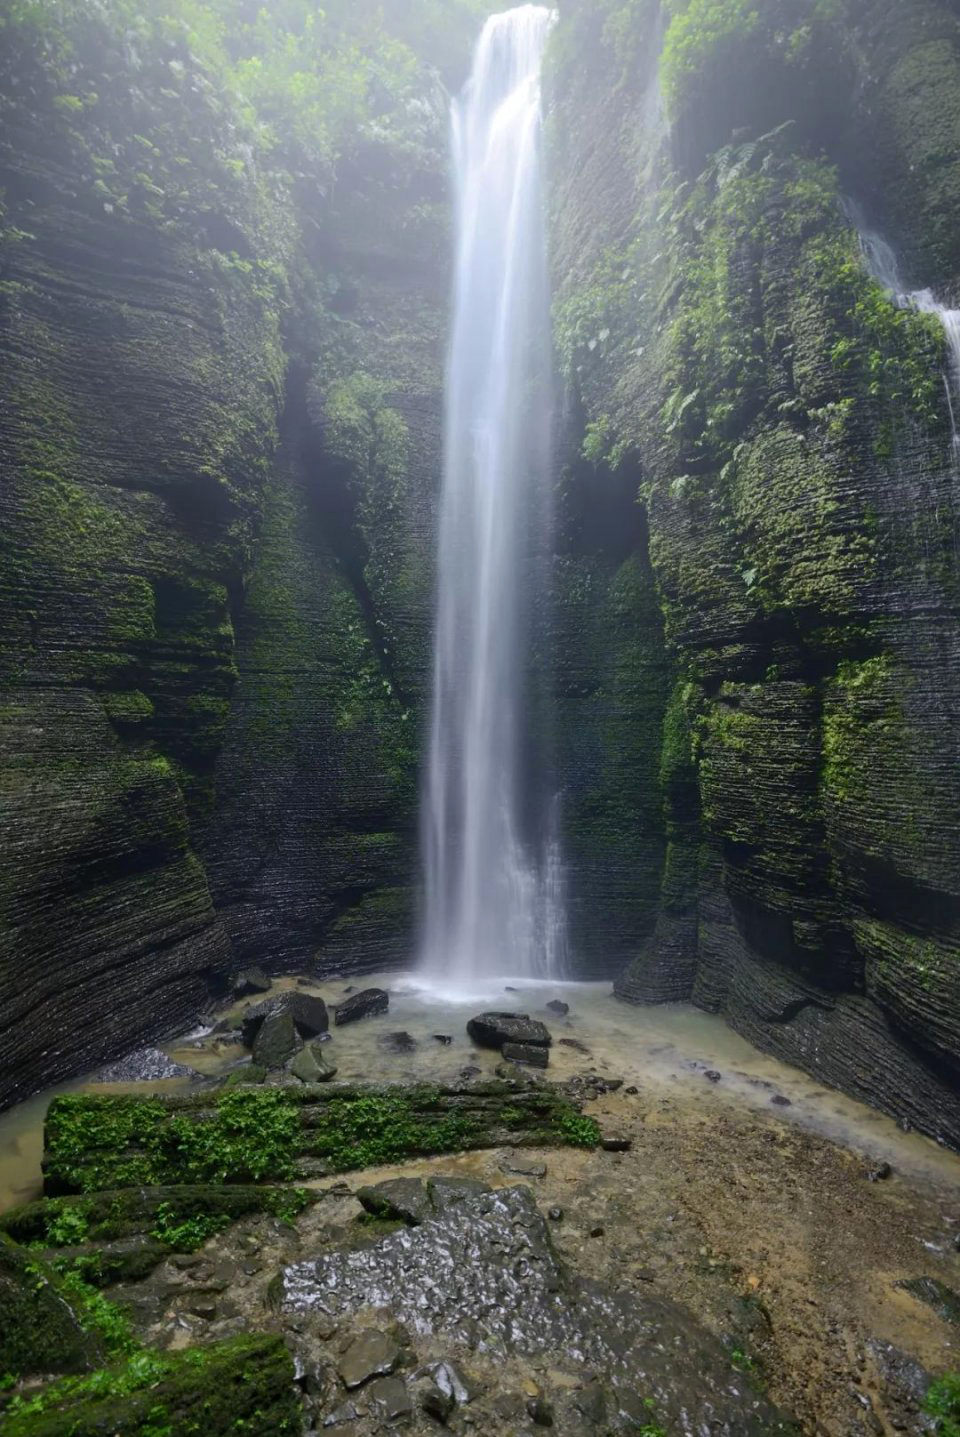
313	849
784	431
220	344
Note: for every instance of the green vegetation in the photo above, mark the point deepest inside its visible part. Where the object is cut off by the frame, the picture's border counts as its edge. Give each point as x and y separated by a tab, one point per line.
943	1404
241	1386
702	31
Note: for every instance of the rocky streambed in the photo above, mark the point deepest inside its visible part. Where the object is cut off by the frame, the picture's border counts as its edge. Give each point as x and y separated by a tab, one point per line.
746	1254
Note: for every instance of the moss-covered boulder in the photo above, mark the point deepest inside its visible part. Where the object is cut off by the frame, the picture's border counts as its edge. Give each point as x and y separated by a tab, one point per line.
39	1329
245	1385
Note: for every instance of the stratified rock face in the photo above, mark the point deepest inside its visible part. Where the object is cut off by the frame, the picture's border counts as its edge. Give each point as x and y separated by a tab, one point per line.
484	1274
140	377
173	518
786	430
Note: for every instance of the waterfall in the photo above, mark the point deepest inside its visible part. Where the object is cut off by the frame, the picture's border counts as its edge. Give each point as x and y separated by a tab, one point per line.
882	264
493	902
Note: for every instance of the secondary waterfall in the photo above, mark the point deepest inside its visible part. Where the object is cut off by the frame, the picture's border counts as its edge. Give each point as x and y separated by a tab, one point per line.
493	903
882	264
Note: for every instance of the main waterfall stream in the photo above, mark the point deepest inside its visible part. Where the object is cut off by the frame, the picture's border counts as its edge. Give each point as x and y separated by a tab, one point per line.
493	890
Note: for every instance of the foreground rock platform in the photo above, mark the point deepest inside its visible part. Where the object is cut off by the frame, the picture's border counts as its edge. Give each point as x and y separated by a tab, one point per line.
483	1276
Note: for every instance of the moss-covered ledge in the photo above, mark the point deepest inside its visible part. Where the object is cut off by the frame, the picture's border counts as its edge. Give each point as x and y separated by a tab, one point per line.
244	1135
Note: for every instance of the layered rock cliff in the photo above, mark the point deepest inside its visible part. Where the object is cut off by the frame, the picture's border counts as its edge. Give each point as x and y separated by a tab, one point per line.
785	430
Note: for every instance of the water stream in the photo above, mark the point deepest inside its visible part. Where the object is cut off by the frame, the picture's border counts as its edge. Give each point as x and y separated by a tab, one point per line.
882	264
493	900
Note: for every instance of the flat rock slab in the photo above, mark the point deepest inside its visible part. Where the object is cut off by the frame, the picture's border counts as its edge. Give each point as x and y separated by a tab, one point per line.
936	1294
529	1054
146	1065
413	1201
370	1354
492	1030
369	1003
309	1015
519	1166
484	1274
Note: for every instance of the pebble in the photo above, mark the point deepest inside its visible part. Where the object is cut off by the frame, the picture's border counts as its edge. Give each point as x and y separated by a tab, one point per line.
780	1101
712	1076
597	1231
879	1173
555	1214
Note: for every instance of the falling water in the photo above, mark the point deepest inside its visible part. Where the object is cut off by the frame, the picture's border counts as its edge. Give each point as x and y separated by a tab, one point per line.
882	264
493	901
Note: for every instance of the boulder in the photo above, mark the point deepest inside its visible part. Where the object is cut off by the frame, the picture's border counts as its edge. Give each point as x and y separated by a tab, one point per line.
528	1053
276	1040
146	1065
556	1006
492	1030
368	1003
311	1066
250	980
308	1014
39	1330
413	1201
370	1354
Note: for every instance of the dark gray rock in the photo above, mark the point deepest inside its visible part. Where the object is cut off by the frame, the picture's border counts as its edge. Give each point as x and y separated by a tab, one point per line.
309	1015
555	1006
413	1201
879	1172
389	1399
616	1144
528	1054
146	1065
485	1274
444	1038
369	1003
397	1042
311	1066
276	1040
576	1045
936	1294
250	980
492	1030
369	1354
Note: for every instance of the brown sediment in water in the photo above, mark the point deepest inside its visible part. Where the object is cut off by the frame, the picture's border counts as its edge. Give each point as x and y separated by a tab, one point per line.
759	1218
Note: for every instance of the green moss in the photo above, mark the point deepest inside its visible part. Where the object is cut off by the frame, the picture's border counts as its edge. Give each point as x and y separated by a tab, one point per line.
95	1142
942	1403
244	1385
367	1131
699	34
41	1328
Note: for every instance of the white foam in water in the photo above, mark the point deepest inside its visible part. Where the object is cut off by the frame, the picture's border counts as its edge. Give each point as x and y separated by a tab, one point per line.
493	878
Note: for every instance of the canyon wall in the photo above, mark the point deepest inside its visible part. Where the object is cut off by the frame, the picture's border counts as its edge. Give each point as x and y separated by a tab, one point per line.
786	433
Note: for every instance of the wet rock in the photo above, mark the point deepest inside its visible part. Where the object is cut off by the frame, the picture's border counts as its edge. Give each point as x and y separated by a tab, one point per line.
492	1030
485	1274
342	1420
308	1014
540	1411
470	1071
597	1230
250	980
276	1041
448	1192
401	1199
369	1003
428	1397
712	1076
453	1382
780	1101
398	1042
413	1201
879	1173
203	1307
145	1065
443	1038
616	1144
311	1066
576	1045
389	1399
369	1354
555	1214
526	1054
555	1006
944	1301
904	1381
632	1090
